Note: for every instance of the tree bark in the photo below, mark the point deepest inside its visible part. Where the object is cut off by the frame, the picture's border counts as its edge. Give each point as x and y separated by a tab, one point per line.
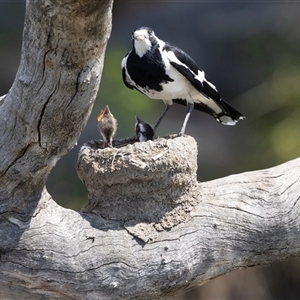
149	228
209	229
51	98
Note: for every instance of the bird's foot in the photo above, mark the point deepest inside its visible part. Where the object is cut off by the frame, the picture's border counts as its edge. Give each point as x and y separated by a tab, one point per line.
107	145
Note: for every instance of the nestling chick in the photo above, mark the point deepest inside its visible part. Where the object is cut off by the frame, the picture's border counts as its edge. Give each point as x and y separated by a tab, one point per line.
143	130
107	125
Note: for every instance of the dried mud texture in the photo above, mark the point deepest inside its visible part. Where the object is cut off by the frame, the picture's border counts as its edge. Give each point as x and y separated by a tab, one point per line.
147	186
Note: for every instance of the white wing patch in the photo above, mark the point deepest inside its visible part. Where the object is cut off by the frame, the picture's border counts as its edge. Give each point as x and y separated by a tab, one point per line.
199	98
127	77
201	77
172	58
195	94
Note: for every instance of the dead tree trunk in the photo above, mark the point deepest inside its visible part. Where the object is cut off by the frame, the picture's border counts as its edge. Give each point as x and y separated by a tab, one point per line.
149	228
50	101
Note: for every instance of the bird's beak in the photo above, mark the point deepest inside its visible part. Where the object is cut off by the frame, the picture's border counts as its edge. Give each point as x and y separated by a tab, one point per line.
137	121
103	112
106	110
139	37
99	118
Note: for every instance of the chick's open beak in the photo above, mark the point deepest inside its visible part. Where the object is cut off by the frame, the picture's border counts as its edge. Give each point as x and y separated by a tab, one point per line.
99	118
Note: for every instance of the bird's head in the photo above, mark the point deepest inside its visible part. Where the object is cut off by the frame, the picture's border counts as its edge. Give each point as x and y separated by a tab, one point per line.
137	124
143	39
103	112
143	130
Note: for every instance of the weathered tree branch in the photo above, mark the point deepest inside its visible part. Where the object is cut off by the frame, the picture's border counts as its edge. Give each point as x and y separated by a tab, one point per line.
149	228
50	101
235	222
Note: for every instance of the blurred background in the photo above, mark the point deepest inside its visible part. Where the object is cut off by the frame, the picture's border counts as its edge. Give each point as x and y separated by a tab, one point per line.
250	50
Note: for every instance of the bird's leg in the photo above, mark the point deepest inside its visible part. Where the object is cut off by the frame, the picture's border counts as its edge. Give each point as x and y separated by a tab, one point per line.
190	107
161	117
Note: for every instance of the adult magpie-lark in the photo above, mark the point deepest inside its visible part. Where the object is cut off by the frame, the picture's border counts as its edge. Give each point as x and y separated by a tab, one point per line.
163	71
143	130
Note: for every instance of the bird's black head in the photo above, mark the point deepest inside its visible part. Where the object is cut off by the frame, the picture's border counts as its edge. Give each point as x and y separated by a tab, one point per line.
144	131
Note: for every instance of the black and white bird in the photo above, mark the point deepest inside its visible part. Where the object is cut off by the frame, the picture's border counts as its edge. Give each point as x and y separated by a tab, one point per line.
107	125
144	131
163	71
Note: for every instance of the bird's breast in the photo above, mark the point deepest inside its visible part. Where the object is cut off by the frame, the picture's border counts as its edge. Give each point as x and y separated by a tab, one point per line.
147	72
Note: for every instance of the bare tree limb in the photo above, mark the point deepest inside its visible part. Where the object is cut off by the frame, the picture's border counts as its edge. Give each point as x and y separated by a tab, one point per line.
50	101
235	222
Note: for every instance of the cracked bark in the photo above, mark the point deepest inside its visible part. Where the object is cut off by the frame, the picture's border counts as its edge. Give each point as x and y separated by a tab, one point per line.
149	229
52	95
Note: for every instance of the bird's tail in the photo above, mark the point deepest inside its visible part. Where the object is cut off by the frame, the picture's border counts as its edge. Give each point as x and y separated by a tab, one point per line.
228	116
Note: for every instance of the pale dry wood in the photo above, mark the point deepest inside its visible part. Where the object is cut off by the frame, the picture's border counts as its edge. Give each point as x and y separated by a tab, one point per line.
186	234
48	105
238	221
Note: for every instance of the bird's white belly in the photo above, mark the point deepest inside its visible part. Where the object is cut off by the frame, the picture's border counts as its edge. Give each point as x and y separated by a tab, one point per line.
179	88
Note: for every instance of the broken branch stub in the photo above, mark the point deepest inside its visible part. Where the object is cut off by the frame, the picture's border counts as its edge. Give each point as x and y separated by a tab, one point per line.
151	182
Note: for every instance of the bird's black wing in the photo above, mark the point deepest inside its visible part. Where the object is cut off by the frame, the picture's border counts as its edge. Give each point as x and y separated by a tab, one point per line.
185	65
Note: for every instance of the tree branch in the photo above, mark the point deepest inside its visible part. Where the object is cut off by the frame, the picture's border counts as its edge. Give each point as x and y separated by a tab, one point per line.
50	101
235	222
